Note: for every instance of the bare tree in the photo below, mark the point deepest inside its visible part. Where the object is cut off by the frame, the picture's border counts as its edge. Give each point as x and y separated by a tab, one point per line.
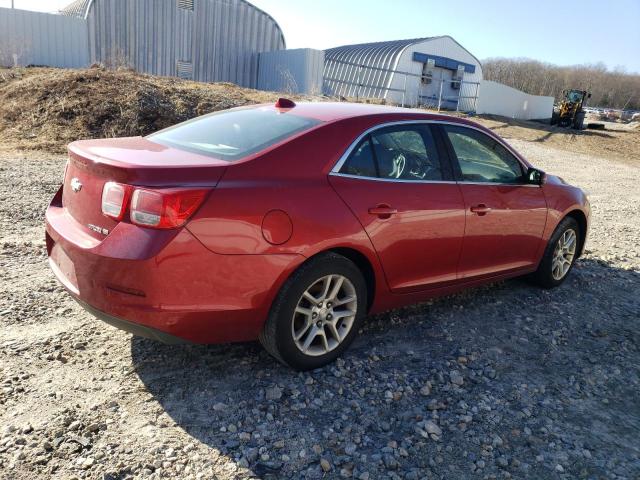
117	59
289	84
609	88
14	51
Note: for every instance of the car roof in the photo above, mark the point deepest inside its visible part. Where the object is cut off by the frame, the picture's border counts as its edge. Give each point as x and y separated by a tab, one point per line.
333	111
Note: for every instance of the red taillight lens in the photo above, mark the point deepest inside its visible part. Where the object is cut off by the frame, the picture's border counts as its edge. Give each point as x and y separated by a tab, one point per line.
115	198
168	208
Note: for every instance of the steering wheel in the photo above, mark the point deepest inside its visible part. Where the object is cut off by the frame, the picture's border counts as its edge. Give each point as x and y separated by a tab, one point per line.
399	163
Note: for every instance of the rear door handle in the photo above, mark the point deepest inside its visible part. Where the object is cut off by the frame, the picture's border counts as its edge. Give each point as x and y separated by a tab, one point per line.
383	211
481	209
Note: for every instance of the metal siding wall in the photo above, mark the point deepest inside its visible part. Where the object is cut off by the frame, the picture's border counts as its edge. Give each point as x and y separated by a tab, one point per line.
184	36
221	38
291	71
498	99
230	35
343	73
43	39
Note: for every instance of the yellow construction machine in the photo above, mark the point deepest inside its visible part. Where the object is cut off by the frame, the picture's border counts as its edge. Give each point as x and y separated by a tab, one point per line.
570	111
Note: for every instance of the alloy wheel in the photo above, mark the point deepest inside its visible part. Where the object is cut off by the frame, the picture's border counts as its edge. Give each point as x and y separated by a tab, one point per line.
563	254
324	315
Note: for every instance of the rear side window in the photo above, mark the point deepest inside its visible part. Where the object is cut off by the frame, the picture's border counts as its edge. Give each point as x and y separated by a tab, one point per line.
233	134
405	152
361	162
481	158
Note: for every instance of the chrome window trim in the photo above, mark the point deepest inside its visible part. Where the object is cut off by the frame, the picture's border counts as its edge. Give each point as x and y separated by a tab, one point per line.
335	171
501	184
394	180
444	182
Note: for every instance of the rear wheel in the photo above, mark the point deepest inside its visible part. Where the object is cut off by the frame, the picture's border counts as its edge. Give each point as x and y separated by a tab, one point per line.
560	254
317	313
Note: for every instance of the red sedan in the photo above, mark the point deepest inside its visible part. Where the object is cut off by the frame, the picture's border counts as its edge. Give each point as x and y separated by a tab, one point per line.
290	223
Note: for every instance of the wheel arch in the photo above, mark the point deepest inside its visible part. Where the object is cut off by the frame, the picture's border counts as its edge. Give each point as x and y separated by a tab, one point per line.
364	265
580	217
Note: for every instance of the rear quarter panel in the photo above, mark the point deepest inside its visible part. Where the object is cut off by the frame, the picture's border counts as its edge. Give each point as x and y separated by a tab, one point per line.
293	179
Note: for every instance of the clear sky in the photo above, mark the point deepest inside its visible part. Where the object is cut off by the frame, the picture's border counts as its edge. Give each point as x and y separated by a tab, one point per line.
563	32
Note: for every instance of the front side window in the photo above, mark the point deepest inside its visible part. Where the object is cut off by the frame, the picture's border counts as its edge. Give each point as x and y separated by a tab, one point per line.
233	134
483	159
396	153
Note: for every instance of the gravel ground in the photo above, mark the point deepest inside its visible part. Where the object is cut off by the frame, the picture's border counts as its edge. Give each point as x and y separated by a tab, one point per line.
504	381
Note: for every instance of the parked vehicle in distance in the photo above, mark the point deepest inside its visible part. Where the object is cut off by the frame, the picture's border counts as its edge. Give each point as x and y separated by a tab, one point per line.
290	223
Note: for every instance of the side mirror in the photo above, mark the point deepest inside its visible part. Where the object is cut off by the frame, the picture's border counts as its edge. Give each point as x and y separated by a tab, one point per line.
535	176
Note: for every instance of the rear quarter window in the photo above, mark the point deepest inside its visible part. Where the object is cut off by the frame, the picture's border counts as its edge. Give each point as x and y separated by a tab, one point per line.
233	134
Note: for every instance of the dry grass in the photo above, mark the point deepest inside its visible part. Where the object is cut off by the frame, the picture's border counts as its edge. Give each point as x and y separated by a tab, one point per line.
46	108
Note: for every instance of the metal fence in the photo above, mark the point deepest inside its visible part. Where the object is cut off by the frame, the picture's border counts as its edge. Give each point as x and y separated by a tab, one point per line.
442	92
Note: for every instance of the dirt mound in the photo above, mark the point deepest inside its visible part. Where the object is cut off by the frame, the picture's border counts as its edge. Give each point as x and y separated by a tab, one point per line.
48	108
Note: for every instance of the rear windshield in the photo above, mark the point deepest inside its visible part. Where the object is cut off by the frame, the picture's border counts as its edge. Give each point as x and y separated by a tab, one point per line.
233	134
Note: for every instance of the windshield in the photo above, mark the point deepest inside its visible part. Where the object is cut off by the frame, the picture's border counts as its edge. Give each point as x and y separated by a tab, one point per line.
233	134
575	96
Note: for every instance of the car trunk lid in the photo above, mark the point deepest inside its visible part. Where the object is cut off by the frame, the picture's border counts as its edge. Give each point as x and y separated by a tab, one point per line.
131	161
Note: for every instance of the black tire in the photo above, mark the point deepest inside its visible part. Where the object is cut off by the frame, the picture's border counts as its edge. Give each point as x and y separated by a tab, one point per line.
277	335
543	276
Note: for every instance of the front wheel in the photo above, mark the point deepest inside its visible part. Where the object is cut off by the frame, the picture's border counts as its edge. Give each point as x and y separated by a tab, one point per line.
317	313
560	254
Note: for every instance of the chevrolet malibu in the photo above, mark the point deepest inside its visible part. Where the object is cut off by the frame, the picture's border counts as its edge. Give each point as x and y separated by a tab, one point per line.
290	223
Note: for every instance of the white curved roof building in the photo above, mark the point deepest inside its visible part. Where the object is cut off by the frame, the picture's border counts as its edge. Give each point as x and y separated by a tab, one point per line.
408	72
205	40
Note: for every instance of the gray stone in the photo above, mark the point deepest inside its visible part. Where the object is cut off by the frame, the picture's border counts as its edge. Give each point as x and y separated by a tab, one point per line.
273	393
432	428
456	378
425	391
325	465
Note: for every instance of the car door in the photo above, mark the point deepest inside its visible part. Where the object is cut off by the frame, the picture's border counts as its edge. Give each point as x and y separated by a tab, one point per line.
505	215
402	192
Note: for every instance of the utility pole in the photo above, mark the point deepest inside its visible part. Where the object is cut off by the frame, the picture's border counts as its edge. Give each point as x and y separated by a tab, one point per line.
12	4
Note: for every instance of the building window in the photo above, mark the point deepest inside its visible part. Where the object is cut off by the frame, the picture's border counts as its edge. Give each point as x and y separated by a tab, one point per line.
186	4
185	70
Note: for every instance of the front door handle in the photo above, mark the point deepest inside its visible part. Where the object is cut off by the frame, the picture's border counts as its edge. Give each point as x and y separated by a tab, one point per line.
383	211
481	209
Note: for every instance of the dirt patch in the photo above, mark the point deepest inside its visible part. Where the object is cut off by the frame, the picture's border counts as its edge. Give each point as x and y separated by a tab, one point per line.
622	144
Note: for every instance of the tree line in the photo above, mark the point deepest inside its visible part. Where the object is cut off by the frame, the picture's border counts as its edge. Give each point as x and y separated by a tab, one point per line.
609	89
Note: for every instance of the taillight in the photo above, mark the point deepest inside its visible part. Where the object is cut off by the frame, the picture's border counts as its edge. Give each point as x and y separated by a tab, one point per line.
115	197
167	208
162	208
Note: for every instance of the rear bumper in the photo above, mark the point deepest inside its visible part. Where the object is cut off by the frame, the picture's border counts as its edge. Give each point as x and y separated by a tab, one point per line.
164	284
134	328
